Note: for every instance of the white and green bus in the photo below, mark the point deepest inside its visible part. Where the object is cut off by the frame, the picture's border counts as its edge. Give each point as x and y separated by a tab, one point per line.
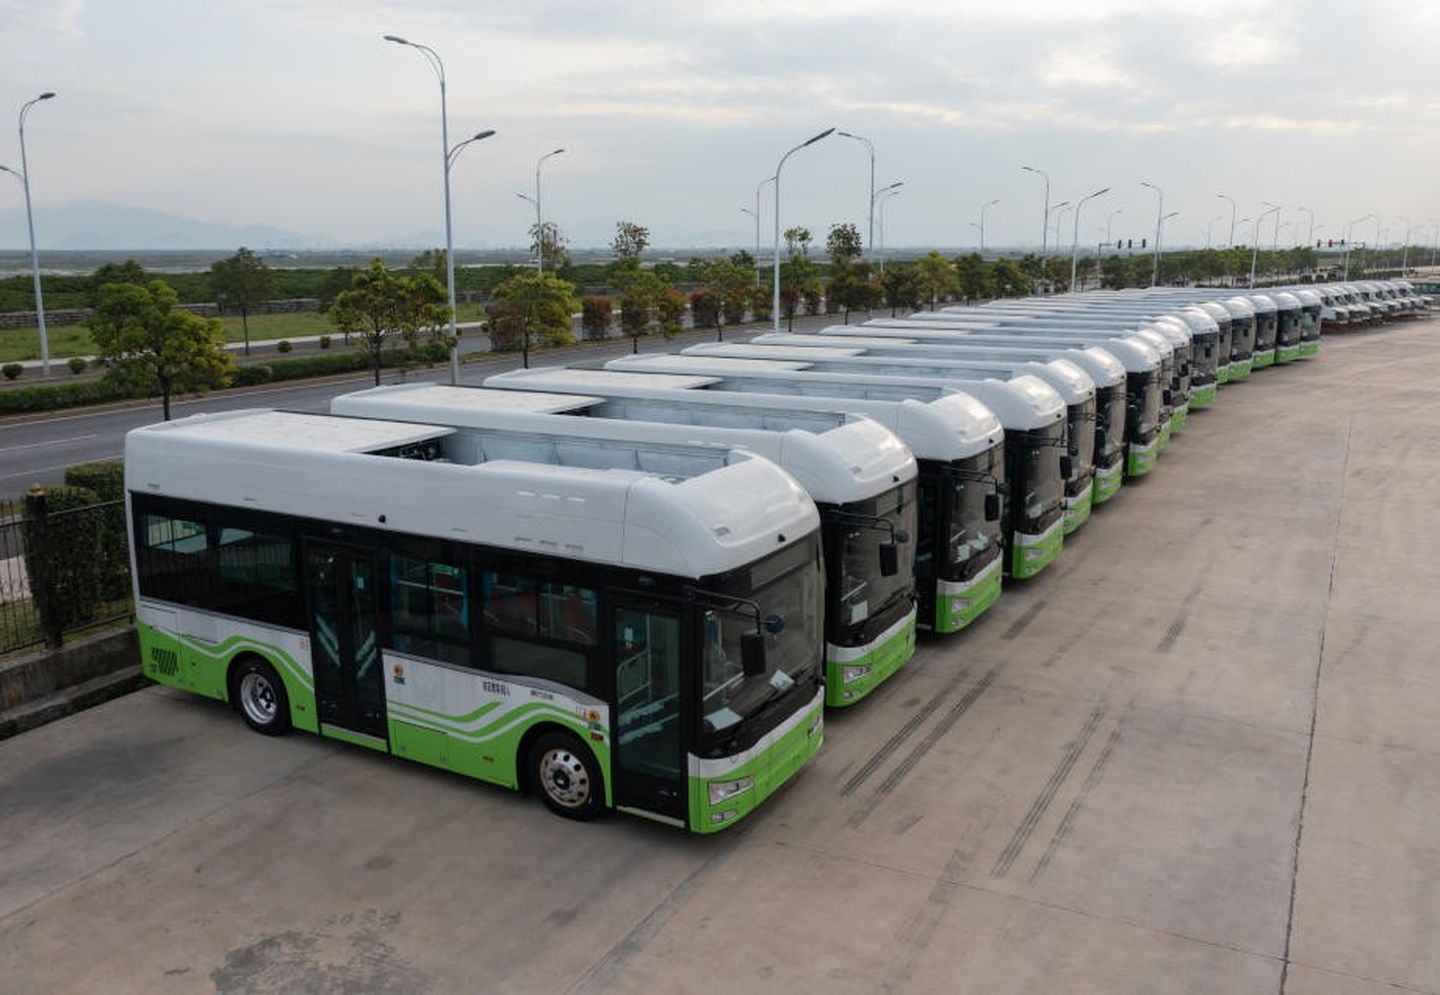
629	627
1072	383
957	441
1032	414
857	472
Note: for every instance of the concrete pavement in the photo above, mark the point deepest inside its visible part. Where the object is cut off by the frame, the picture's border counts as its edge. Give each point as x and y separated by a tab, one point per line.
1196	755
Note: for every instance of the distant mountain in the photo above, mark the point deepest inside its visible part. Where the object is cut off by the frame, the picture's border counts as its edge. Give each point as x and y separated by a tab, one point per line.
98	224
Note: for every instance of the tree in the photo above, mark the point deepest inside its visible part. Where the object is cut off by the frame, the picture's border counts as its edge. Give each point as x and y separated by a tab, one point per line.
382	307
595	312
432	263
532	307
127	272
548	242
151	345
744	260
339	279
973	277
639	303
900	288
936	276
241	282
843	242
797	242
728	289
630	240
850	285
1010	279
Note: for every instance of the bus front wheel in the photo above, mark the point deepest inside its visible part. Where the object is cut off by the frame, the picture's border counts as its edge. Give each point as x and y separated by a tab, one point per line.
260	695
567	776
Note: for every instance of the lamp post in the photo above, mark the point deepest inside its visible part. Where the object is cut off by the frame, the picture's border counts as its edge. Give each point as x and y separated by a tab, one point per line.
1045	217
1075	235
756	216
1225	196
24	176
1405	256
883	196
437	64
870	147
1350	238
1310	225
758	187
775	301
983	208
1110	220
1210	228
1435	222
1255	242
1060	210
540	217
1275	241
1159	214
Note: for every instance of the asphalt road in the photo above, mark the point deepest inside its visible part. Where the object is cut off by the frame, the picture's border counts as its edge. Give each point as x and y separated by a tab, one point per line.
1196	755
40	450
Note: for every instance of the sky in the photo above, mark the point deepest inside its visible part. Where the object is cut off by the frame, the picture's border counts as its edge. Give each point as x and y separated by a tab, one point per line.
295	114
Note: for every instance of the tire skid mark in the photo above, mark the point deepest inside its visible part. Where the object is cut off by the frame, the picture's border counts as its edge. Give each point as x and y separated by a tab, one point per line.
1067	821
906	730
1167	642
1047	793
1018	626
917	753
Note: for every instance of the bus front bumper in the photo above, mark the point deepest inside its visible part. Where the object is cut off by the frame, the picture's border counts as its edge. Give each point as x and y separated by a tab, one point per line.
960	602
1240	368
1178	418
1311	348
1107	481
1204	395
852	672
1287	353
723	791
1222	373
1262	359
1140	460
1030	554
1077	508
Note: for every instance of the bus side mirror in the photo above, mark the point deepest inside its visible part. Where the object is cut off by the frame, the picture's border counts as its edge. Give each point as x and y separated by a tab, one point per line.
992	507
752	654
1067	466
889	559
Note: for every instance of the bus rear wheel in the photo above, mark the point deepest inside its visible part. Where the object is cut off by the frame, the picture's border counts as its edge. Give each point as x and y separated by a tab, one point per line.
260	695
567	776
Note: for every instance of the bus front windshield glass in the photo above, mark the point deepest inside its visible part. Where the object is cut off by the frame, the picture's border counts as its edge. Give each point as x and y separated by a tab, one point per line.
787	584
1109	425
1041	489
972	537
1082	439
863	590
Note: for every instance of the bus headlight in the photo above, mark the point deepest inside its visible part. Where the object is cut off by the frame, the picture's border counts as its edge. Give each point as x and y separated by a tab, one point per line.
849	675
722	790
959	605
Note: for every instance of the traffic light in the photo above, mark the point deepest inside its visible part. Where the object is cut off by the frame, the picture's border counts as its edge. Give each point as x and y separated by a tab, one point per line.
1342	241
1331	245
1129	243
1118	241
1142	243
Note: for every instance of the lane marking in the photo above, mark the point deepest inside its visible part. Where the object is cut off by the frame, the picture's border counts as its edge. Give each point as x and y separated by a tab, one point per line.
53	442
56	466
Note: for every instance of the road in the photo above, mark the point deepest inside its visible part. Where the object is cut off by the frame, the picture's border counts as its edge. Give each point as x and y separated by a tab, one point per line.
1196	755
34	451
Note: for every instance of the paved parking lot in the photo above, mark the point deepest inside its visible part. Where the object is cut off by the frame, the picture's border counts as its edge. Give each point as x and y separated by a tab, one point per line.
1198	755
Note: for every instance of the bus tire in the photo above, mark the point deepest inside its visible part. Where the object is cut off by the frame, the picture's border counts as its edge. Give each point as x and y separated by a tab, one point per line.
565	773
260	695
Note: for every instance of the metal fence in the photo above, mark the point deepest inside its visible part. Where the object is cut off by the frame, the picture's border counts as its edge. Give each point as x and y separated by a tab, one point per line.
62	570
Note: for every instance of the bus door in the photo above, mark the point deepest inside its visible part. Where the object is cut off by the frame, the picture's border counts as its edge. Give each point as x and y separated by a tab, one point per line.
649	770
340	586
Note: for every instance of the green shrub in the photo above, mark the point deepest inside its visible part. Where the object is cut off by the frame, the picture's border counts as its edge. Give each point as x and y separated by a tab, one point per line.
77	364
595	313
105	477
53	398
284	346
12	370
63	556
324	342
250	376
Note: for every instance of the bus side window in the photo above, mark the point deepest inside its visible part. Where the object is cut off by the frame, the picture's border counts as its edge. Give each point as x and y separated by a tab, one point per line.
510	603
568	613
175	557
430	609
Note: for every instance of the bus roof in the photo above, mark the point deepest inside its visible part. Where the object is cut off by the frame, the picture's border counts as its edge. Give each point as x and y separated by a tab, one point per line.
947	427
734	512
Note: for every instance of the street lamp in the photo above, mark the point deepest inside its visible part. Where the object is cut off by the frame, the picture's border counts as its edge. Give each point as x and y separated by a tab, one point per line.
24	177
1275	241
1060	210
1255	242
1110	220
983	208
885	195
1075	236
1310	226
1224	196
870	146
758	187
1435	222
756	216
1159	214
1045	227
1405	257
775	302
1350	239
449	154
1210	228
1172	214
539	218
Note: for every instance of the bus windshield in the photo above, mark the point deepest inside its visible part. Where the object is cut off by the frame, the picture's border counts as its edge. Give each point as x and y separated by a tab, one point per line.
1040	489
863	590
1081	418
972	537
1110	425
787	584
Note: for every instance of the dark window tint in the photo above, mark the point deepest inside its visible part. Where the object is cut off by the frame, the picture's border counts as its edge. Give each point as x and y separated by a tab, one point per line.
529	659
568	613
430	608
510	604
175	558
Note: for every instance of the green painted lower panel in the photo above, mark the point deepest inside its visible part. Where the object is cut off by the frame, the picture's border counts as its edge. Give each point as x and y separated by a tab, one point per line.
1241	368
1204	395
193	665
773	764
1162	437
868	668
1310	348
1030	554
1178	418
1263	359
1140	460
1077	510
355	738
1287	353
1222	374
958	603
1107	481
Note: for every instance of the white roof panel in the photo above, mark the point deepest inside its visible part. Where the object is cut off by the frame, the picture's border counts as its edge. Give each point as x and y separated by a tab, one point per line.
299	431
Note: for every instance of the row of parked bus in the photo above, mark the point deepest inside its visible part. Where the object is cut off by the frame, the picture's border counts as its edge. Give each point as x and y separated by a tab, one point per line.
639	585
